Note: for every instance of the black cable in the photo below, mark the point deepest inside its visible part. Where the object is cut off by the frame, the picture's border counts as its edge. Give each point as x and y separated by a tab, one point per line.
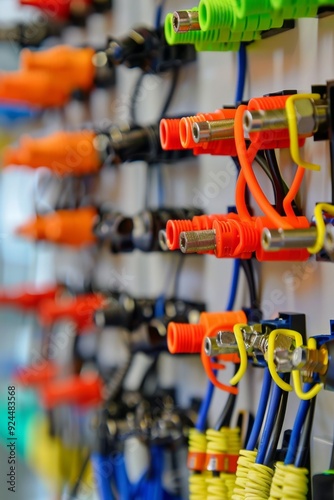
278	180
149	372
75	490
224	419
169	98
134	97
275	435
303	451
170	95
247	266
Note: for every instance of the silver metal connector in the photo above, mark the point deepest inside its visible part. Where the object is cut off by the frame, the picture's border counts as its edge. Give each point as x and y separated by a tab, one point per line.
185	20
197	241
310	115
211	347
280	239
213	130
163	240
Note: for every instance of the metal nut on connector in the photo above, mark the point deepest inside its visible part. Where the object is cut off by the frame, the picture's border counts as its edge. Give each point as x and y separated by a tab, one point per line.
305	113
226	342
299	358
283	361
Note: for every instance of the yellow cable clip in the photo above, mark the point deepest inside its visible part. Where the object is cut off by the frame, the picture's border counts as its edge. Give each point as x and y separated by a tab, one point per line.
270	353
293	129
321	226
242	353
312	345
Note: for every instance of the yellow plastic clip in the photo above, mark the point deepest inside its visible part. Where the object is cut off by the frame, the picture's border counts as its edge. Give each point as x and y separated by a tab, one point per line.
312	345
321	226
271	349
242	353
293	129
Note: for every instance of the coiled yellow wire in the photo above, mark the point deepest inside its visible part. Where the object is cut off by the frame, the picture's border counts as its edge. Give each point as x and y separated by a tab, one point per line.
229	480
245	460
276	490
258	482
289	483
295	483
216	489
227	440
197	441
197	482
198	486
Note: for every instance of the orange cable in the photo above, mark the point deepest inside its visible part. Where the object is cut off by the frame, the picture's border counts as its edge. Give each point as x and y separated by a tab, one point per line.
252	182
290	196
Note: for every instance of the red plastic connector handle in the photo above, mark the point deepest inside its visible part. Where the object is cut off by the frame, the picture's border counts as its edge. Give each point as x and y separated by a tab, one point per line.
72	68
64	153
37	374
78	390
67	227
27	297
59	9
239	239
80	310
200	222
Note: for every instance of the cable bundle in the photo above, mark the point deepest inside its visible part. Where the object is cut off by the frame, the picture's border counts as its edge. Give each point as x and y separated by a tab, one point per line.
245	461
289	482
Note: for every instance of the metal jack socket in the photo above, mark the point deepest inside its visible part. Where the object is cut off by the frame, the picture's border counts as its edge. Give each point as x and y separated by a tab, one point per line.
185	20
310	115
280	239
213	130
197	241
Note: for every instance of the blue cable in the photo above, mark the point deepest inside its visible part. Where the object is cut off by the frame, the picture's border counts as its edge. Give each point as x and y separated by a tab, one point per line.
161	192
269	424
158	16
234	285
13	112
242	72
121	478
103	469
297	428
205	405
203	412
261	410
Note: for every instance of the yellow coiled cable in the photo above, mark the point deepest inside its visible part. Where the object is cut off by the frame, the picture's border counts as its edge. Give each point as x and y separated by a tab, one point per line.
198	486
258	482
197	441
216	489
276	490
295	483
229	480
289	483
197	481
225	441
245	460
